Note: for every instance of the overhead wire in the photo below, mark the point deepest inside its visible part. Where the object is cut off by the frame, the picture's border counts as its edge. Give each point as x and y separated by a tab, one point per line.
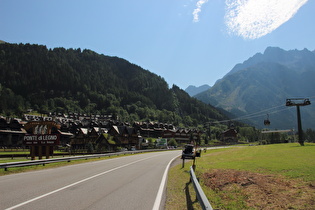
259	113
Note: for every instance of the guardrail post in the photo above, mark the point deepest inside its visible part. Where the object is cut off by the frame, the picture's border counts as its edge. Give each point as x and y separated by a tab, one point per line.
194	164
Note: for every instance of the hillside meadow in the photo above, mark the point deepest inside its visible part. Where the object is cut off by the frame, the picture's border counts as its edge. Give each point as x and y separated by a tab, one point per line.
280	176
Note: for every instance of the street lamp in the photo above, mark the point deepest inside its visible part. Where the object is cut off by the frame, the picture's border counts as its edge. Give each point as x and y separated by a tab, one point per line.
298	102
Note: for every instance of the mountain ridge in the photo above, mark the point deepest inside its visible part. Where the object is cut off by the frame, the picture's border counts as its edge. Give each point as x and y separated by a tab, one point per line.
265	81
82	81
193	90
275	54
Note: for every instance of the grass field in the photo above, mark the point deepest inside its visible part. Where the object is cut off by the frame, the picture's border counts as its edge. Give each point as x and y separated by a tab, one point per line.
278	176
50	165
26	153
21	152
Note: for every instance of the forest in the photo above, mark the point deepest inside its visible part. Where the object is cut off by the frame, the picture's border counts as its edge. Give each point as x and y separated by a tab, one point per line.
61	80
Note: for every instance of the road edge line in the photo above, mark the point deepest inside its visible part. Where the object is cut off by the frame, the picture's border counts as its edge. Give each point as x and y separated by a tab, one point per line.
159	195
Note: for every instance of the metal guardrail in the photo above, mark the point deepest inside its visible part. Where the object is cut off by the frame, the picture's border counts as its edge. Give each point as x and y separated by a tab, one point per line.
68	159
202	198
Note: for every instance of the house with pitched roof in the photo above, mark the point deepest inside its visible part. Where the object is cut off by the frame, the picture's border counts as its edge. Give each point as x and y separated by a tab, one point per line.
127	136
229	136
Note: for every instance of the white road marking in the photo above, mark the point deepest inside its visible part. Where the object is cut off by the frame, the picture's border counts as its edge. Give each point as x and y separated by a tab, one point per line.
158	198
70	185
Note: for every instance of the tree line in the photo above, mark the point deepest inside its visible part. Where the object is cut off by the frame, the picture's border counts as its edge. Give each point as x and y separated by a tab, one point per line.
82	81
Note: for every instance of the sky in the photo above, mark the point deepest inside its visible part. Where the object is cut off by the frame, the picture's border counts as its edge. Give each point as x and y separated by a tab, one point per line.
187	42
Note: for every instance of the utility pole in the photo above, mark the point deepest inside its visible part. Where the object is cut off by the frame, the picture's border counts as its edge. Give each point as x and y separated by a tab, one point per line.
299	102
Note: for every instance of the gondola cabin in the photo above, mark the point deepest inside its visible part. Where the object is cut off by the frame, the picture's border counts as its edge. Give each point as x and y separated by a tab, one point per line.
267	122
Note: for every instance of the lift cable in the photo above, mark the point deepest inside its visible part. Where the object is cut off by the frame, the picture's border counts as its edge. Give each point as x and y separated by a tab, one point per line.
256	114
259	113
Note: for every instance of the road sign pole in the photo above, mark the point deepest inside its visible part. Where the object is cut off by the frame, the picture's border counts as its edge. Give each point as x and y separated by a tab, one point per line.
32	152
40	152
47	151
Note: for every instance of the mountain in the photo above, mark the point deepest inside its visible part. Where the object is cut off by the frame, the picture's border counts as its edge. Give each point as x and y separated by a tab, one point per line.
75	80
193	90
260	86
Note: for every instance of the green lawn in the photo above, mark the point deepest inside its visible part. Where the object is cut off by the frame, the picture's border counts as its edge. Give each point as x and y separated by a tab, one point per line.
8	152
291	160
21	152
287	161
25	152
50	165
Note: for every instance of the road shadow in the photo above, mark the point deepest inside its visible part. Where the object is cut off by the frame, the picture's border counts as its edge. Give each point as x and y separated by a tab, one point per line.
189	202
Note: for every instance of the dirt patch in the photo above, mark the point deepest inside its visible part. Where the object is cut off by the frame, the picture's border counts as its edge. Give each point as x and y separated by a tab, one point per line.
261	191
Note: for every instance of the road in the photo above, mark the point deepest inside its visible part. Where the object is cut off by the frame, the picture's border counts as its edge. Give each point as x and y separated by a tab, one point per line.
129	182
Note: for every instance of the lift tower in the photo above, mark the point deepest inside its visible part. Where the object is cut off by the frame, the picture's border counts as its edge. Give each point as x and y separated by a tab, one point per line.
298	102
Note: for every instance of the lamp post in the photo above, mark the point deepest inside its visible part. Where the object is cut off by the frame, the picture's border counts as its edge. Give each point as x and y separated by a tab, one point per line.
299	102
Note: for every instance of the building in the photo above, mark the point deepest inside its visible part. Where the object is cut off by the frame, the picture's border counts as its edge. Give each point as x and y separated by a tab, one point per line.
125	136
11	132
229	136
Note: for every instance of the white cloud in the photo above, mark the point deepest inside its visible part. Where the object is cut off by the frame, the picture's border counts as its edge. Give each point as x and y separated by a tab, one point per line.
252	19
198	9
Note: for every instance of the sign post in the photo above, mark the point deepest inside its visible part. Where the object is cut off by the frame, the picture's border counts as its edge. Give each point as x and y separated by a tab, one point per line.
41	144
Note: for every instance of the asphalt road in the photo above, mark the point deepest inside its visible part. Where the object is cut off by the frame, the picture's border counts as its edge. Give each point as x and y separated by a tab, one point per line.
130	182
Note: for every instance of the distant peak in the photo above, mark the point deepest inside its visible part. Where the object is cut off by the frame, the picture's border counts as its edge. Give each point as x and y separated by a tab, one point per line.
289	58
193	90
269	50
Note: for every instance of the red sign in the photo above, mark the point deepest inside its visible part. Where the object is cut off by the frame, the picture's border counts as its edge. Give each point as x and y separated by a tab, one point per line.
41	139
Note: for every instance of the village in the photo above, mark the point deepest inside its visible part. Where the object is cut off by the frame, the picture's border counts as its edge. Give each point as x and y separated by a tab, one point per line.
97	133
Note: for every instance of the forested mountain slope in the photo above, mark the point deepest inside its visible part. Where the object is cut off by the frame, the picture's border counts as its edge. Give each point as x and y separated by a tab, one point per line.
75	80
261	85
